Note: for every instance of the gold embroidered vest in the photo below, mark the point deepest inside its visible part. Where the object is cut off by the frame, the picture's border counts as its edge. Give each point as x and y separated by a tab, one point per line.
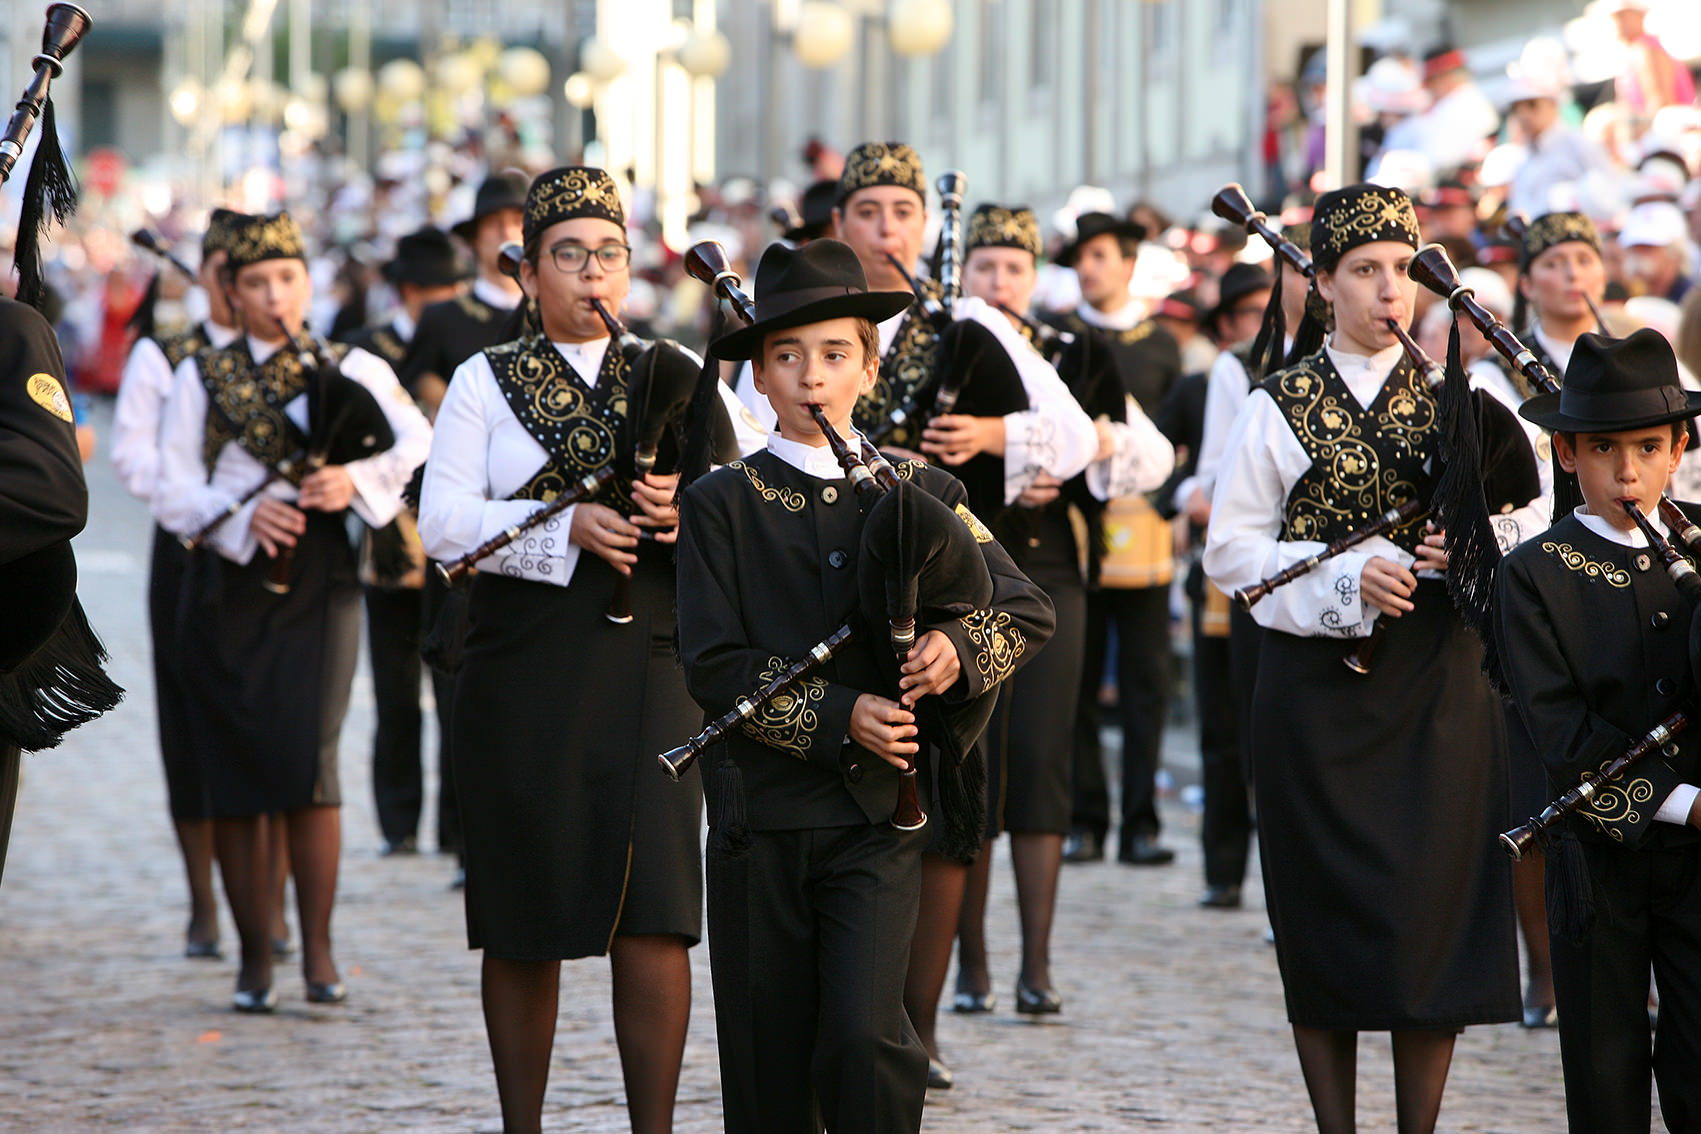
581	427
909	365
1364	461
183	344
246	400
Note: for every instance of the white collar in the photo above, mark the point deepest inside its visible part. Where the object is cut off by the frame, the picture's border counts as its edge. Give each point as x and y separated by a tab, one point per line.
1556	350
1124	318
220	335
260	351
812	460
404	325
1382	362
494	295
1598	525
585	358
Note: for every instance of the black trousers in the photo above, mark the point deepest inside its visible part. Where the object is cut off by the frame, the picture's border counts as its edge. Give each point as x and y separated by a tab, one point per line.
1225	829
809	942
11	763
393	630
1144	671
1649	914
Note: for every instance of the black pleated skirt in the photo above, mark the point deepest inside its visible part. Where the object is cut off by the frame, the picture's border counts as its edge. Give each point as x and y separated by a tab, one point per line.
573	833
1379	800
186	791
1029	743
265	677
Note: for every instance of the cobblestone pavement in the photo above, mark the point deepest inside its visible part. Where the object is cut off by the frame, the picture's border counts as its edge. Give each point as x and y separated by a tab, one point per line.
1172	1016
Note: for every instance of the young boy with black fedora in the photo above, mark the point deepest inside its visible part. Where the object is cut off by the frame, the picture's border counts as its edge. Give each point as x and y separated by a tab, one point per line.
813	893
1593	643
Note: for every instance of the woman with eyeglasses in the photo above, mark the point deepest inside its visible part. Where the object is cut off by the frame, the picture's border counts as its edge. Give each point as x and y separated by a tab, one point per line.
576	844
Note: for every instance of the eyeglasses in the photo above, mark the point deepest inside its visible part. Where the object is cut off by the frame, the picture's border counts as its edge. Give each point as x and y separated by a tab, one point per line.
573	257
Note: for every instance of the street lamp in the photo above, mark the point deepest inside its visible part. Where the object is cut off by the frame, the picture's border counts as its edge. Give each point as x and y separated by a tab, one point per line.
822	35
920	27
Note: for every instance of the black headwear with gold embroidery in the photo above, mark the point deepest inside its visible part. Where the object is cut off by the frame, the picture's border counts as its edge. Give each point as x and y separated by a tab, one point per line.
1555	228
568	193
257	238
221	228
882	163
995	226
1344	219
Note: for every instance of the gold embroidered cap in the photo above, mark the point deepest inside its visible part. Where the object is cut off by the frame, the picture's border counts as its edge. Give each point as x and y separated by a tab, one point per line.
882	163
994	226
1344	219
1555	228
221	228
257	238
570	192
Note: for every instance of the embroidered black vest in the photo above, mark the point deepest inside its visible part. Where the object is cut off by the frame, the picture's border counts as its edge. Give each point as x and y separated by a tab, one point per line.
581	427
246	400
183	344
1364	461
909	365
387	345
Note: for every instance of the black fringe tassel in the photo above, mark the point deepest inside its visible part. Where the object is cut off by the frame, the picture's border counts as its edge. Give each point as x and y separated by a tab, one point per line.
50	189
1570	888
59	687
731	835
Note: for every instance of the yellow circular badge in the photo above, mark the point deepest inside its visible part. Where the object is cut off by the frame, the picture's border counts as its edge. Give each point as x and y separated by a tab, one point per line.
46	392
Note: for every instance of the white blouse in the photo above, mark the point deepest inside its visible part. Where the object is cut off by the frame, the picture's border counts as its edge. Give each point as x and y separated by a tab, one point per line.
139	412
189	496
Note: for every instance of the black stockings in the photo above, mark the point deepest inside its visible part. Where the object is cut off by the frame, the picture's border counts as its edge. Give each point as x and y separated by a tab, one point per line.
1329	1060
942	885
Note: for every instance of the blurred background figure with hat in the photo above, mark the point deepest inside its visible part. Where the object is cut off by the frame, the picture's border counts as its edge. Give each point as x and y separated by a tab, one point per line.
1659	257
1556	153
813	217
427	268
1651	79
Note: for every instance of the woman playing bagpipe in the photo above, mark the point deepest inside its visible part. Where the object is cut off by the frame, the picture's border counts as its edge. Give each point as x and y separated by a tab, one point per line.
265	445
1052	530
1377	792
575	845
815	882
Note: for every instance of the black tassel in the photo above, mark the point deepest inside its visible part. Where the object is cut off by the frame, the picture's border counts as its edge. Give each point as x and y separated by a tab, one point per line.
699	430
1570	888
959	793
1272	333
414	488
1312	330
1459	506
59	687
730	837
522	322
50	188
142	321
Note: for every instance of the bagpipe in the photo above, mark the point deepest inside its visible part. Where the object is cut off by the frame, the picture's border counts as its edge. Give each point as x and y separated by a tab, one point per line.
664	378
344	424
918	561
1492	467
975	375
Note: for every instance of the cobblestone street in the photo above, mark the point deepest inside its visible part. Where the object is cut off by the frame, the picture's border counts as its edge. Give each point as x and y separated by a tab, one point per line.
1172	1015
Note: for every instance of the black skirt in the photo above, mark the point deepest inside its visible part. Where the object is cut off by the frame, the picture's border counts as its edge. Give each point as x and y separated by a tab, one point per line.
186	792
1028	745
266	676
573	833
1379	800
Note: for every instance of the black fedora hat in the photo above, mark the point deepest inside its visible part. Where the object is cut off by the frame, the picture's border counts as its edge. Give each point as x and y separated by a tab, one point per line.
1240	281
817	208
822	280
1614	385
425	257
1090	225
505	190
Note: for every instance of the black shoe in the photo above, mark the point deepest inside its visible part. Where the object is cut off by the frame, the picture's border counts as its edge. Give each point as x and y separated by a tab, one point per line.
282	948
323	992
939	1077
973	1002
1083	846
1037	1002
392	847
459	881
1144	850
1221	898
203	950
1540	1016
255	1001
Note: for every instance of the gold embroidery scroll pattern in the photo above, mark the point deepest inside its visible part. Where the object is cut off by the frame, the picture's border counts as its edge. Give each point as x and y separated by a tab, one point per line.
998	645
909	363
1616	805
182	345
789	499
1583	565
1373	213
579	435
998	227
246	405
789	720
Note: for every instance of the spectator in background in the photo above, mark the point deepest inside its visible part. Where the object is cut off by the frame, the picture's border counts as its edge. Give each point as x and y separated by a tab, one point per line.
1451	132
1557	153
1657	252
1651	78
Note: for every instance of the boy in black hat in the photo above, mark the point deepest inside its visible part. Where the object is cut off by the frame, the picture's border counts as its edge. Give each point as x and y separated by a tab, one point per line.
813	894
1592	639
452	331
